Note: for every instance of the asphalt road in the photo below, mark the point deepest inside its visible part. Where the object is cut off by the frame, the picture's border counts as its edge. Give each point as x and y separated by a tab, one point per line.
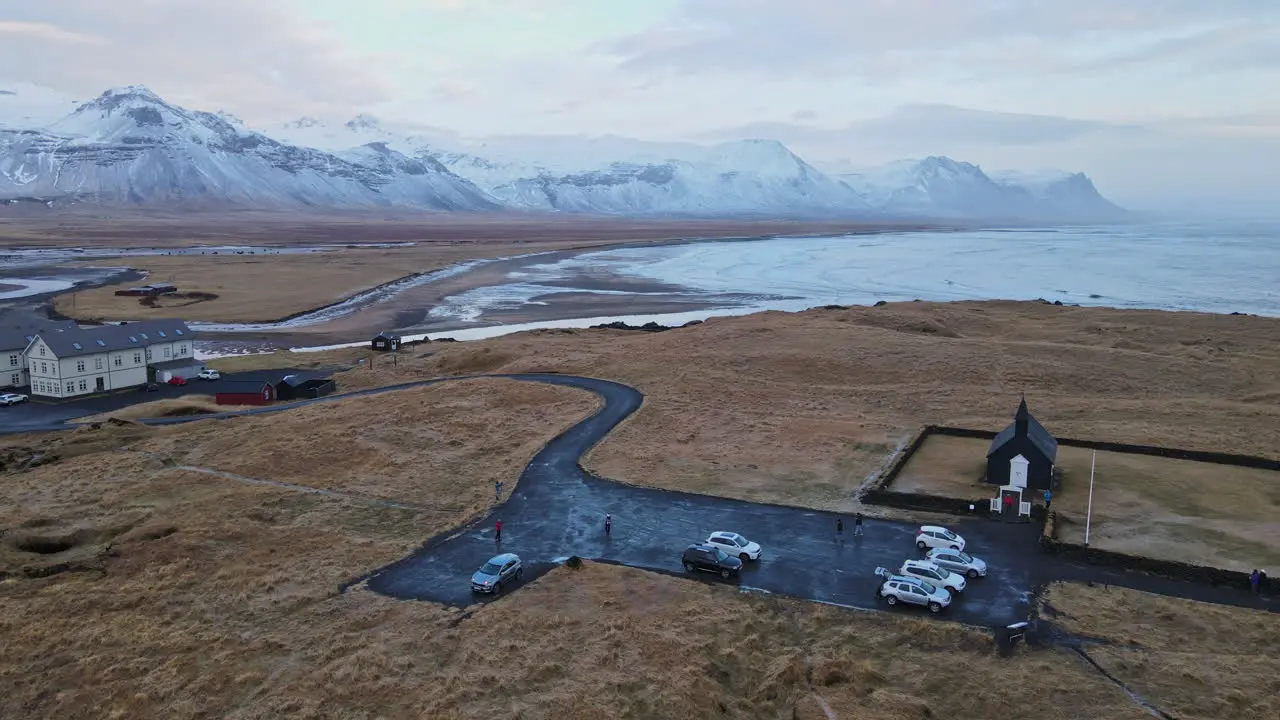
557	510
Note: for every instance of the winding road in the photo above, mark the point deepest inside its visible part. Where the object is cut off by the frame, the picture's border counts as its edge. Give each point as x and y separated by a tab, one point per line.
557	510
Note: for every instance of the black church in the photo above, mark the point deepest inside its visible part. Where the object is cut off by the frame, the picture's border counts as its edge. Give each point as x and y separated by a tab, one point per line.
1023	454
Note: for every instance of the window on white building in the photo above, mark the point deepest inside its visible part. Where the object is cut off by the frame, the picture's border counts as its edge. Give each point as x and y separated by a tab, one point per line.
119	361
71	387
44	368
166	351
137	358
84	385
148	353
79	366
182	349
97	363
17	379
13	361
41	351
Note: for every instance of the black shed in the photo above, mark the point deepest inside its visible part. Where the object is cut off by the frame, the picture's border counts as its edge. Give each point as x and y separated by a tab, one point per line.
304	387
386	342
1023	454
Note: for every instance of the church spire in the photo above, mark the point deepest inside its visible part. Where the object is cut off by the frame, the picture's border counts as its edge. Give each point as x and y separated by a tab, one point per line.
1020	419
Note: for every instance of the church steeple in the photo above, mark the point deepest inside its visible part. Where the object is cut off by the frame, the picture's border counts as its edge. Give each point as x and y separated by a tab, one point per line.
1020	419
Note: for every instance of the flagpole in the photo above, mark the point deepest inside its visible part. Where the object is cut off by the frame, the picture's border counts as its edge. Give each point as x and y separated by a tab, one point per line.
1089	512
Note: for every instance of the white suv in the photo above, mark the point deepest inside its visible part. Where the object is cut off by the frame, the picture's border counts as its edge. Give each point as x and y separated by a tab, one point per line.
12	398
735	545
932	574
934	536
912	591
209	374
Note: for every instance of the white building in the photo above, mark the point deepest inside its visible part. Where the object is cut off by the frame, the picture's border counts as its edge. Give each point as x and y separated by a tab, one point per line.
110	357
13	350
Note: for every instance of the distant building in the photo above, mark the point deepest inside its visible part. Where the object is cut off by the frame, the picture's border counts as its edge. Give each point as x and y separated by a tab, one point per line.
67	363
245	392
13	350
1022	455
304	387
386	342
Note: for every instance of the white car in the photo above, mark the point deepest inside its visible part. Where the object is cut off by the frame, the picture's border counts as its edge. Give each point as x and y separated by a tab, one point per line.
12	399
958	562
912	591
932	574
209	374
735	545
934	536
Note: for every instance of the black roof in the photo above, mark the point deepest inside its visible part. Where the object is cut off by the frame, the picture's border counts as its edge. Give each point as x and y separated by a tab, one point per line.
1035	432
175	364
19	337
386	336
242	386
296	379
107	338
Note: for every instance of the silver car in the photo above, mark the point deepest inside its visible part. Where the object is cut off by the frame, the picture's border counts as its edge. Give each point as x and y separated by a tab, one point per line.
958	562
912	591
500	570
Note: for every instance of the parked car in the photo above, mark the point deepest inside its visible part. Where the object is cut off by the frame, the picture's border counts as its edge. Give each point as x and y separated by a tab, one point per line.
710	558
933	574
934	536
150	387
177	380
500	570
735	544
209	374
958	562
912	591
12	399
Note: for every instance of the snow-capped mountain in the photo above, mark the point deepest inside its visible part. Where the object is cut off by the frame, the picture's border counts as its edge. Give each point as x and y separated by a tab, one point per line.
129	147
750	177
942	187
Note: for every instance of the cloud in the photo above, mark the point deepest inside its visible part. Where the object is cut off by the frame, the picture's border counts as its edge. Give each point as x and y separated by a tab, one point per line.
248	54
878	37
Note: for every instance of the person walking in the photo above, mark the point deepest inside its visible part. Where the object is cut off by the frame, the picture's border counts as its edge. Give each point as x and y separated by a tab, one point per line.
497	531
1048	498
497	491
857	524
608	523
1253	581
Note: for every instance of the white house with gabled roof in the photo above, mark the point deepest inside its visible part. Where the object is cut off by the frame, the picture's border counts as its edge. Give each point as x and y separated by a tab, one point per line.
109	357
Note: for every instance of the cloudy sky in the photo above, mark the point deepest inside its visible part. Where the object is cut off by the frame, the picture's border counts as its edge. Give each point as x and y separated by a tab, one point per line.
1166	103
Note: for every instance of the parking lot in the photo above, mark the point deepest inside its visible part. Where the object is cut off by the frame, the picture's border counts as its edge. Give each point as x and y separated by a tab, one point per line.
38	414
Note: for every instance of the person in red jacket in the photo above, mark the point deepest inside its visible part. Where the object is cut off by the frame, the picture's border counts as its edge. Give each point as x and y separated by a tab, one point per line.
497	535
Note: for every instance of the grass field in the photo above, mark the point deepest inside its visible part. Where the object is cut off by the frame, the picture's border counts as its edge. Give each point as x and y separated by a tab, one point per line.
261	288
1201	513
183	592
1190	659
194	404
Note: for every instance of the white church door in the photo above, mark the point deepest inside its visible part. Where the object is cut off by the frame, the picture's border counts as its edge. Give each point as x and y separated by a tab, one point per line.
1018	472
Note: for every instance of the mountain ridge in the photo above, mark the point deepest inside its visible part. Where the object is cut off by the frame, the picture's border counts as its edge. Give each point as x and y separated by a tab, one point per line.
129	147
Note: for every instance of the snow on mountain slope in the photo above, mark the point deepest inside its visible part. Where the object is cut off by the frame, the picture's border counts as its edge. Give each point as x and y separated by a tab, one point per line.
740	178
129	147
942	187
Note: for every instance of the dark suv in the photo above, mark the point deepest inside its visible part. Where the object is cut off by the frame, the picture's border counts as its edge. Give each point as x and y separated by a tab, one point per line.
710	558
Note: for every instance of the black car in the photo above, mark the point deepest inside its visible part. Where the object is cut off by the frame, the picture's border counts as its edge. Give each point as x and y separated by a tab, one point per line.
150	387
710	558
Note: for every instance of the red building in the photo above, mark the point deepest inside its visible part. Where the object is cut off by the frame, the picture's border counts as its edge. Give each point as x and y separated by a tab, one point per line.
245	392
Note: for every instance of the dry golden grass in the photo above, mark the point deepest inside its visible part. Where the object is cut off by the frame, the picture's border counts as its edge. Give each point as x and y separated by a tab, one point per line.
219	598
287	359
194	404
1190	659
802	408
262	288
1202	513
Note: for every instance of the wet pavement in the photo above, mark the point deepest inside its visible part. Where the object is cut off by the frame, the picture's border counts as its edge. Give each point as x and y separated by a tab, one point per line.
557	510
